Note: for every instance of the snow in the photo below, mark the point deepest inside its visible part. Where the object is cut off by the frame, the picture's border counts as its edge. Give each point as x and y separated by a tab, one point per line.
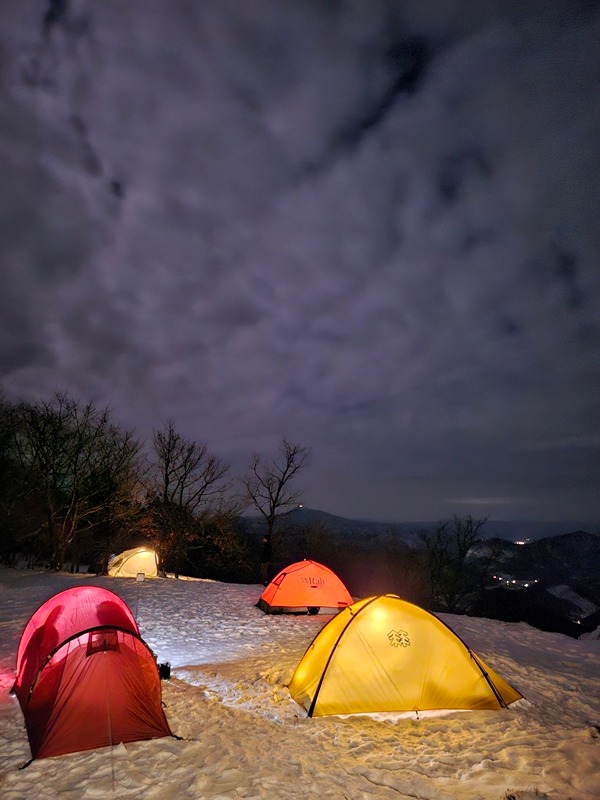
244	737
586	607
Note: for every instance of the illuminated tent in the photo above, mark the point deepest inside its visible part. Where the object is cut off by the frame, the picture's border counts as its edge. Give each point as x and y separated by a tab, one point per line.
384	654
130	563
85	678
304	586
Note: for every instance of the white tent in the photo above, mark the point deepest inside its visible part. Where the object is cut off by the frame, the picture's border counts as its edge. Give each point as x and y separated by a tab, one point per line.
130	563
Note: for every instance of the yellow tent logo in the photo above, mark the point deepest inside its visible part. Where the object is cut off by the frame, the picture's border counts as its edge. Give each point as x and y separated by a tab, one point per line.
398	639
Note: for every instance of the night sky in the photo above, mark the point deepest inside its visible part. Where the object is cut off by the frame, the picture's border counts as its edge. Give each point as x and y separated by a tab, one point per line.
371	226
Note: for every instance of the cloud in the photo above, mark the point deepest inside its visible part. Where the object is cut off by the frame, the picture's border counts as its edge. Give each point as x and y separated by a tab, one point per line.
372	229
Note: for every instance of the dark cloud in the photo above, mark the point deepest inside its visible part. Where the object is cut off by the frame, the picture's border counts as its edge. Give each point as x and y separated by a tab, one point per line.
370	226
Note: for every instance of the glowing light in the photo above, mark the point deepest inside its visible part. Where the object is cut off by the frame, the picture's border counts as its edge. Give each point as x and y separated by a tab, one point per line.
379	616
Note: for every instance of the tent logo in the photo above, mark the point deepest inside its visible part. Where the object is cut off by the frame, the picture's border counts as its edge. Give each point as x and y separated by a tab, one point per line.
312	581
398	639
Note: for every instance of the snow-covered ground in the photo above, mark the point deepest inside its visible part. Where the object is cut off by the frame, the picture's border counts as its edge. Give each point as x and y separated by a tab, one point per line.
244	737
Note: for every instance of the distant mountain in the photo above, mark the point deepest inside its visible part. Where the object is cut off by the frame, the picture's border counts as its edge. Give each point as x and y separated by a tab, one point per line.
551	583
575	555
371	530
368	532
531	530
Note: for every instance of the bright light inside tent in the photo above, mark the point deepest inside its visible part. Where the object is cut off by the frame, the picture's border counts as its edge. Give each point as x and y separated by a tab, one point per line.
378	616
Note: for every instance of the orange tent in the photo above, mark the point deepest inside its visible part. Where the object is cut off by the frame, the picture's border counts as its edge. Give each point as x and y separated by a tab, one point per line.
85	678
304	586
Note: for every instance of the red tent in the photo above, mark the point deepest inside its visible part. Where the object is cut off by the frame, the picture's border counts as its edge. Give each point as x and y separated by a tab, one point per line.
85	677
305	585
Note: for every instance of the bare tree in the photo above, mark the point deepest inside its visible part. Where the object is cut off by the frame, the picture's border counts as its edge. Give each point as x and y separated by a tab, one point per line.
267	484
71	455
221	551
21	507
188	475
12	488
447	550
188	485
117	481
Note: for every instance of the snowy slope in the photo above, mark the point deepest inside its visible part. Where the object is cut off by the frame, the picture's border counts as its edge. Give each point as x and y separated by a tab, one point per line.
245	737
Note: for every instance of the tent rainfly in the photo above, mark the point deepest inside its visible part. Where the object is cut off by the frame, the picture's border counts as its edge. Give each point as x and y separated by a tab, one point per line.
130	563
382	654
304	586
85	678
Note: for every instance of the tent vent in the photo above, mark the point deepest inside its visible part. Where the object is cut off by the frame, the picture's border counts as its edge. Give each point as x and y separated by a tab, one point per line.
101	641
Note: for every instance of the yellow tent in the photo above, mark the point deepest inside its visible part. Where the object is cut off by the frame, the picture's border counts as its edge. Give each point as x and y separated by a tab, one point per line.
384	654
130	563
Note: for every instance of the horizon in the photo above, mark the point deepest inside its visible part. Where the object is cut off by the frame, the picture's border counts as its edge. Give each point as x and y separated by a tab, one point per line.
592	524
